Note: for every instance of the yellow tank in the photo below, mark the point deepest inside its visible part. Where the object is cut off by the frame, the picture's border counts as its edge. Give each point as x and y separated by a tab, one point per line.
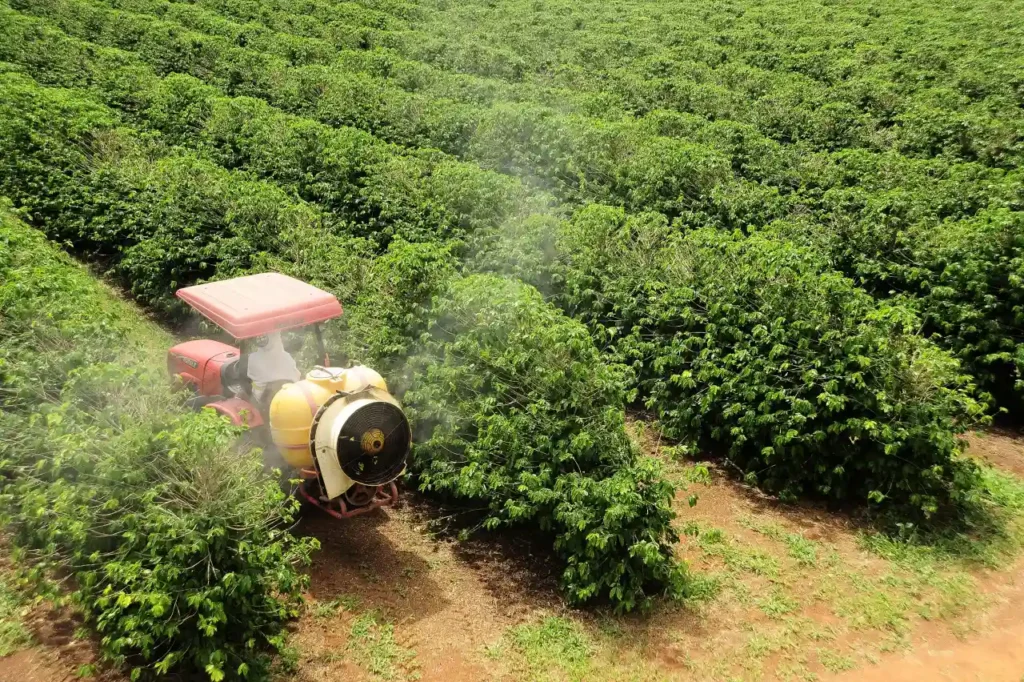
291	415
295	405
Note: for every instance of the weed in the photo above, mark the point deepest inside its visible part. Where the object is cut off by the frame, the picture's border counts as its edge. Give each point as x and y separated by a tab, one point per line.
834	661
804	551
554	644
495	651
372	645
795	672
325	609
14	636
703	588
736	556
989	532
871	604
329	609
777	604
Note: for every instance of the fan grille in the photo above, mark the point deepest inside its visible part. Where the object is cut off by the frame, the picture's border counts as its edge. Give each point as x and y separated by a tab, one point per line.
374	443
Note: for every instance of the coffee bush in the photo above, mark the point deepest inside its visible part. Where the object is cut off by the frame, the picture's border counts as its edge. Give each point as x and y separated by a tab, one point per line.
515	410
173	534
754	344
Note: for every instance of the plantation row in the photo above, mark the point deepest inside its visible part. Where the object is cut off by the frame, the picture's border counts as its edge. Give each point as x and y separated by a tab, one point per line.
165	218
783	362
921	77
575	155
174	538
917	78
336	96
366	185
894	224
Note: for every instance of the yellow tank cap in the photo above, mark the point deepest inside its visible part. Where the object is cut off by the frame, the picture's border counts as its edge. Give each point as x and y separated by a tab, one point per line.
331	378
359	377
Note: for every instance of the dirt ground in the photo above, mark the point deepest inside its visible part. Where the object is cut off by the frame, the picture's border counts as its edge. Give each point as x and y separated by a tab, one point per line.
800	593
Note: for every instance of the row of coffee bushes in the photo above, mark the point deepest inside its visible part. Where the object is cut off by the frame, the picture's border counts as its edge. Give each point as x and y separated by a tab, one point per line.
949	90
635	163
363	184
675	163
754	345
174	537
165	218
877	195
924	80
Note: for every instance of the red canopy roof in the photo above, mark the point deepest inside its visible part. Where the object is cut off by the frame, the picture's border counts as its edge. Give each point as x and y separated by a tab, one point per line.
259	304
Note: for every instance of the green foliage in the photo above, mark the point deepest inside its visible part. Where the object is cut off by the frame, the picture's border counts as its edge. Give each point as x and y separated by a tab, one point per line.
174	536
731	118
163	221
365	186
382	150
392	308
752	342
964	277
14	635
515	410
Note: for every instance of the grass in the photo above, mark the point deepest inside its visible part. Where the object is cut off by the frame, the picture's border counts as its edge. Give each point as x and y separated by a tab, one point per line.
736	556
874	589
372	645
777	603
989	534
553	648
798	547
328	609
14	635
834	661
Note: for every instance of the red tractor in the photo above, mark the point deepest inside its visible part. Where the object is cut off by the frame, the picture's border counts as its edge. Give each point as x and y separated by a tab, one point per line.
338	428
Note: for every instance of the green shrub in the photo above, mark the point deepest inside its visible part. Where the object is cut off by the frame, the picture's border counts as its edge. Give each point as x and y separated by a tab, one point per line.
964	278
515	410
174	536
752	342
162	220
393	305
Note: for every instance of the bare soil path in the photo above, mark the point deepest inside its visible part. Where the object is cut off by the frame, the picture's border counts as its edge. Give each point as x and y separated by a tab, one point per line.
994	655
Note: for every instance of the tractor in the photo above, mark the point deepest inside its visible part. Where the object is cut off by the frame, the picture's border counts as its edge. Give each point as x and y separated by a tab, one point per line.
338	428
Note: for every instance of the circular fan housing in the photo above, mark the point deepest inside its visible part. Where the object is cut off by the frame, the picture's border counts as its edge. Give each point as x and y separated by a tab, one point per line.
373	442
361	437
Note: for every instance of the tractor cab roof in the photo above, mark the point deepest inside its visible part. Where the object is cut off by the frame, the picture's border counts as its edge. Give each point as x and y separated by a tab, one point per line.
259	304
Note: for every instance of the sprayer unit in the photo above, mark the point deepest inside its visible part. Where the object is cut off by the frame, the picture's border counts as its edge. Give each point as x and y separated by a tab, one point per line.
339	428
343	425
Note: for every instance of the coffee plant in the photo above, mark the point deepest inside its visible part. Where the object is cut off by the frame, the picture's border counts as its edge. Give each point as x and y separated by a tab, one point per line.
175	538
515	410
790	230
809	385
